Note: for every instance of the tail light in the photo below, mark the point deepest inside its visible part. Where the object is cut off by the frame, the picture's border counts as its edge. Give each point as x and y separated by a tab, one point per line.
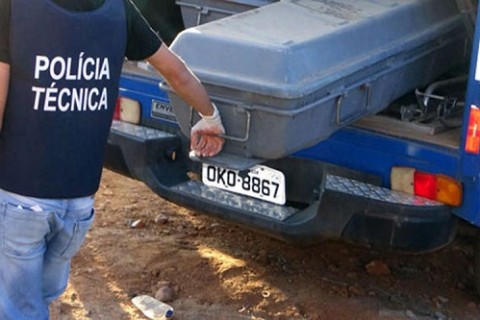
472	144
437	187
127	110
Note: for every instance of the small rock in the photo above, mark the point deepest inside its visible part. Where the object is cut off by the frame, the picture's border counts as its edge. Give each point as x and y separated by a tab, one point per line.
357	291
440	315
107	192
137	224
165	294
472	305
410	314
442	299
378	267
161	219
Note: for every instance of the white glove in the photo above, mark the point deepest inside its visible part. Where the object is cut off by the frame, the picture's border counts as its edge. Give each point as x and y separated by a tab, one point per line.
206	135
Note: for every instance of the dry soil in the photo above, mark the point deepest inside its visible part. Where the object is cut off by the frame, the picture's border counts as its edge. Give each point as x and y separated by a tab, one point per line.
211	269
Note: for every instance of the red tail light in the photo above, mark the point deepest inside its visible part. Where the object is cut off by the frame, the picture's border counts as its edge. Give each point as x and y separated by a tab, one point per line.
116	112
437	187
472	144
127	110
425	185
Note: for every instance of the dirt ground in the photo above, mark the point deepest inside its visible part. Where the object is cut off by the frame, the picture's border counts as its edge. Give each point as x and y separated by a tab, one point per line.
210	269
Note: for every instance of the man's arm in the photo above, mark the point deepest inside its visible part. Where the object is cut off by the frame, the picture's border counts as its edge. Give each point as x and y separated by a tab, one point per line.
4	82
181	79
206	137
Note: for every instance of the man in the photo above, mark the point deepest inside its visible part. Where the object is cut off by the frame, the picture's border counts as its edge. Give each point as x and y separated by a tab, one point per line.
60	62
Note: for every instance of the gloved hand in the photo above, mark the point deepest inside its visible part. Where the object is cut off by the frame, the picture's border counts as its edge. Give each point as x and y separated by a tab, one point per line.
206	135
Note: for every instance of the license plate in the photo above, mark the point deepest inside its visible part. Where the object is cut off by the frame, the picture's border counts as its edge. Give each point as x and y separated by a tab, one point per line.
260	182
162	110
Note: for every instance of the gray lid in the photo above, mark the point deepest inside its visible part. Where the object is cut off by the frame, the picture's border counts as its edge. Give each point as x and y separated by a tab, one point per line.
292	48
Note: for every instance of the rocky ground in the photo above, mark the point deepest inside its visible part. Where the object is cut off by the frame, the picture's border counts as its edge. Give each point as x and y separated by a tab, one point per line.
209	269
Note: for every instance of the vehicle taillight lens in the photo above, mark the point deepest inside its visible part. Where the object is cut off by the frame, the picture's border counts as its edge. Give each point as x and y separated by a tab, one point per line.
116	112
437	187
127	110
449	190
472	144
424	185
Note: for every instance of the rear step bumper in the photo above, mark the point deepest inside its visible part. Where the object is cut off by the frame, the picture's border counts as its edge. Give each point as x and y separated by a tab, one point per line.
344	208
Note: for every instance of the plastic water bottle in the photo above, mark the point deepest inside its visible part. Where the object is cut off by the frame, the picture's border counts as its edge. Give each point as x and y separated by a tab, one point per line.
153	308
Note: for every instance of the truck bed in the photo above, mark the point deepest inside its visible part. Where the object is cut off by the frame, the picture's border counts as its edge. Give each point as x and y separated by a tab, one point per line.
411	130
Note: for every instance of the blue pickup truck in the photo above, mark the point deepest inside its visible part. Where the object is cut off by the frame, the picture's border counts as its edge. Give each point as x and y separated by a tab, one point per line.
381	148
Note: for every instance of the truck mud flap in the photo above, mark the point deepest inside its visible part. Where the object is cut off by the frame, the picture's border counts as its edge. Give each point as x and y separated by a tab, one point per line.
342	208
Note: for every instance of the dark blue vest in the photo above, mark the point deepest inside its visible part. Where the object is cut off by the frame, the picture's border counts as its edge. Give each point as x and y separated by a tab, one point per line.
65	68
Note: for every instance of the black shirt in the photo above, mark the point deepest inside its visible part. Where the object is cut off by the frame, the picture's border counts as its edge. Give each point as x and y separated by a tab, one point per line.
142	41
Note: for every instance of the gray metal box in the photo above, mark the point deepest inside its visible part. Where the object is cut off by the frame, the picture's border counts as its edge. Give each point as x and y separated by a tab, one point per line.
287	75
197	12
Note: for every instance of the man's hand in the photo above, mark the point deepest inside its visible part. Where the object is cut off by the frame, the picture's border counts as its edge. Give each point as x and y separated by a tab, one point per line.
206	135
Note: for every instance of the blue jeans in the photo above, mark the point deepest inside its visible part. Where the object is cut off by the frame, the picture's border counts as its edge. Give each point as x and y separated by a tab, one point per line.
38	238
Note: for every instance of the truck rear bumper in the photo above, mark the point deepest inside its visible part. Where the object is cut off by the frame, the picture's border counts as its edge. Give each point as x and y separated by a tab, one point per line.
342	208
